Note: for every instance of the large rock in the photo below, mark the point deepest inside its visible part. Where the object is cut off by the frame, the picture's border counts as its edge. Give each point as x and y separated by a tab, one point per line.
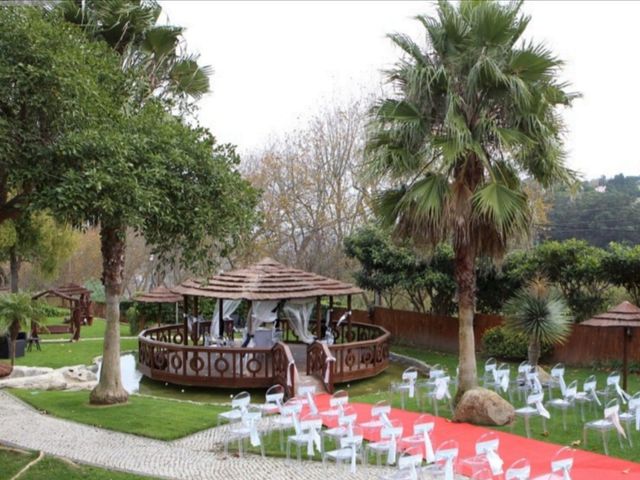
78	377
480	406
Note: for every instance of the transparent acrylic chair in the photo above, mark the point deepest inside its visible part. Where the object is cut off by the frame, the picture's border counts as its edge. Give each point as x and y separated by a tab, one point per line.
407	387
501	380
533	408
561	465
440	394
245	429
273	400
390	436
483	474
285	420
446	459
409	462
518	470
306	394
486	457
380	412
521	384
588	395
307	435
490	366
631	418
605	425
423	427
427	384
239	405
556	380
344	427
338	401
565	403
349	450
612	389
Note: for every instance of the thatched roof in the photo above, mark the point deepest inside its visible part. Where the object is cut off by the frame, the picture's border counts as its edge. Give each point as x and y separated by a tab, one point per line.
266	280
70	292
158	295
624	315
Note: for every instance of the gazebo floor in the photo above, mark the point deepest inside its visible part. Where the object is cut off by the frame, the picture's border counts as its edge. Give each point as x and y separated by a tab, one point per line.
299	352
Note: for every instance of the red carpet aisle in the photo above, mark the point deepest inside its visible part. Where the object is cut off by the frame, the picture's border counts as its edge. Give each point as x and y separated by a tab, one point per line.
587	465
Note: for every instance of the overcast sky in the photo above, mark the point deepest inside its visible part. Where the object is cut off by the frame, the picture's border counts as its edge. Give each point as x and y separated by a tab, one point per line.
276	62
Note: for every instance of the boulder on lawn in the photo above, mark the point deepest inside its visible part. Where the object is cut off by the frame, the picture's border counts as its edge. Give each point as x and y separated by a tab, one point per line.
480	406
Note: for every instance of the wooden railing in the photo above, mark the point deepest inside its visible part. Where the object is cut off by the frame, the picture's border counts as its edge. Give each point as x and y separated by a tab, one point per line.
162	356
365	356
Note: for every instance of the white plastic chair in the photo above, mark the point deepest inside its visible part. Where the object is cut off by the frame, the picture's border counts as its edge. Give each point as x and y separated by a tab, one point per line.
388	444
446	457
245	429
421	438
286	419
534	408
406	388
239	405
409	463
307	434
486	456
521	383
632	416
273	400
380	412
440	394
561	465
609	422
306	395
337	403
556	379
346	423
566	402
613	389
518	470
588	395
489	368
349	451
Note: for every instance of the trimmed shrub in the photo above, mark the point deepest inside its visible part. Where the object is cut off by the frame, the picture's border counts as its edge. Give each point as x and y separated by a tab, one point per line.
133	318
501	343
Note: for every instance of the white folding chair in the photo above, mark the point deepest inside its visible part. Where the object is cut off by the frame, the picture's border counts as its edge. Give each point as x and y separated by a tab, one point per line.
239	405
388	443
534	408
245	429
307	434
486	456
609	422
350	449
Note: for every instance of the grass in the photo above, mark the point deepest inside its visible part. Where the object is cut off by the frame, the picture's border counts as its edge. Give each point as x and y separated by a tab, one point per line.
49	468
144	416
96	330
57	355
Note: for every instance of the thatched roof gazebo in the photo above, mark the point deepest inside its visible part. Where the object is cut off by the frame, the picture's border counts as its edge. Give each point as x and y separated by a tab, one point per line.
268	280
624	316
160	295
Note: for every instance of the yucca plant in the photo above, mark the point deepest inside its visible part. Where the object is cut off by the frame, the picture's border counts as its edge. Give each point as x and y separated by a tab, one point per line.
473	114
539	312
18	312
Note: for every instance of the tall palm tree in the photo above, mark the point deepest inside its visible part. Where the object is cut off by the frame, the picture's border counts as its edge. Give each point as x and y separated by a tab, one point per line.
18	312
541	314
156	58
473	113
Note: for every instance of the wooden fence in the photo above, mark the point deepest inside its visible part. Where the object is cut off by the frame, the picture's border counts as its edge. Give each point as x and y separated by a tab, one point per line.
585	345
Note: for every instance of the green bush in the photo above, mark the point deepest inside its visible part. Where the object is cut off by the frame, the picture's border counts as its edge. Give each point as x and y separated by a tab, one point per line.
500	343
52	311
133	318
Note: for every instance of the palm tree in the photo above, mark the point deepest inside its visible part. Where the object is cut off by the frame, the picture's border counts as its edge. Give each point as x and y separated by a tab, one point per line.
156	58
18	312
541	314
473	114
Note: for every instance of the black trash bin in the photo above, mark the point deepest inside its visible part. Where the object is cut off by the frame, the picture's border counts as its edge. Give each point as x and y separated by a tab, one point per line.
20	344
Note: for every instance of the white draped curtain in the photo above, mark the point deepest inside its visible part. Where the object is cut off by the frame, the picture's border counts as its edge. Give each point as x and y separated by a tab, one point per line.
299	313
228	307
263	312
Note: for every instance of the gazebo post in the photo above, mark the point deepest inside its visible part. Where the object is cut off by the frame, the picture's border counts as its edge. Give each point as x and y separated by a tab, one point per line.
159	312
184	320
330	310
220	320
626	335
318	318
195	307
349	336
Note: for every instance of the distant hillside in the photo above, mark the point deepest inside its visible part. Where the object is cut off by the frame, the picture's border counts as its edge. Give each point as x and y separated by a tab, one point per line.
605	210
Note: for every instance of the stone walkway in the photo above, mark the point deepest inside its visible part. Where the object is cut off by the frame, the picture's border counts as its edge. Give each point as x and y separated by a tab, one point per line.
199	456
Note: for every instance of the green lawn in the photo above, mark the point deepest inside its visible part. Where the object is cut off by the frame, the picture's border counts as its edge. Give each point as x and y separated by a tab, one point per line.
58	355
96	330
49	468
148	417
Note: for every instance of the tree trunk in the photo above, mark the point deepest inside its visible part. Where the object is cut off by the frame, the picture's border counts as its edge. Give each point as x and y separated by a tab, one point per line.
465	273
534	351
15	269
14	330
109	389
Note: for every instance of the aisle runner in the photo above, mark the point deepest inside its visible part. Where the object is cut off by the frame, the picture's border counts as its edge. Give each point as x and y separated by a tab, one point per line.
587	465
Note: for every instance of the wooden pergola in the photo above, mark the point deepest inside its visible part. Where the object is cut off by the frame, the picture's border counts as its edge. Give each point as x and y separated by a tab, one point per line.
79	303
624	316
266	280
